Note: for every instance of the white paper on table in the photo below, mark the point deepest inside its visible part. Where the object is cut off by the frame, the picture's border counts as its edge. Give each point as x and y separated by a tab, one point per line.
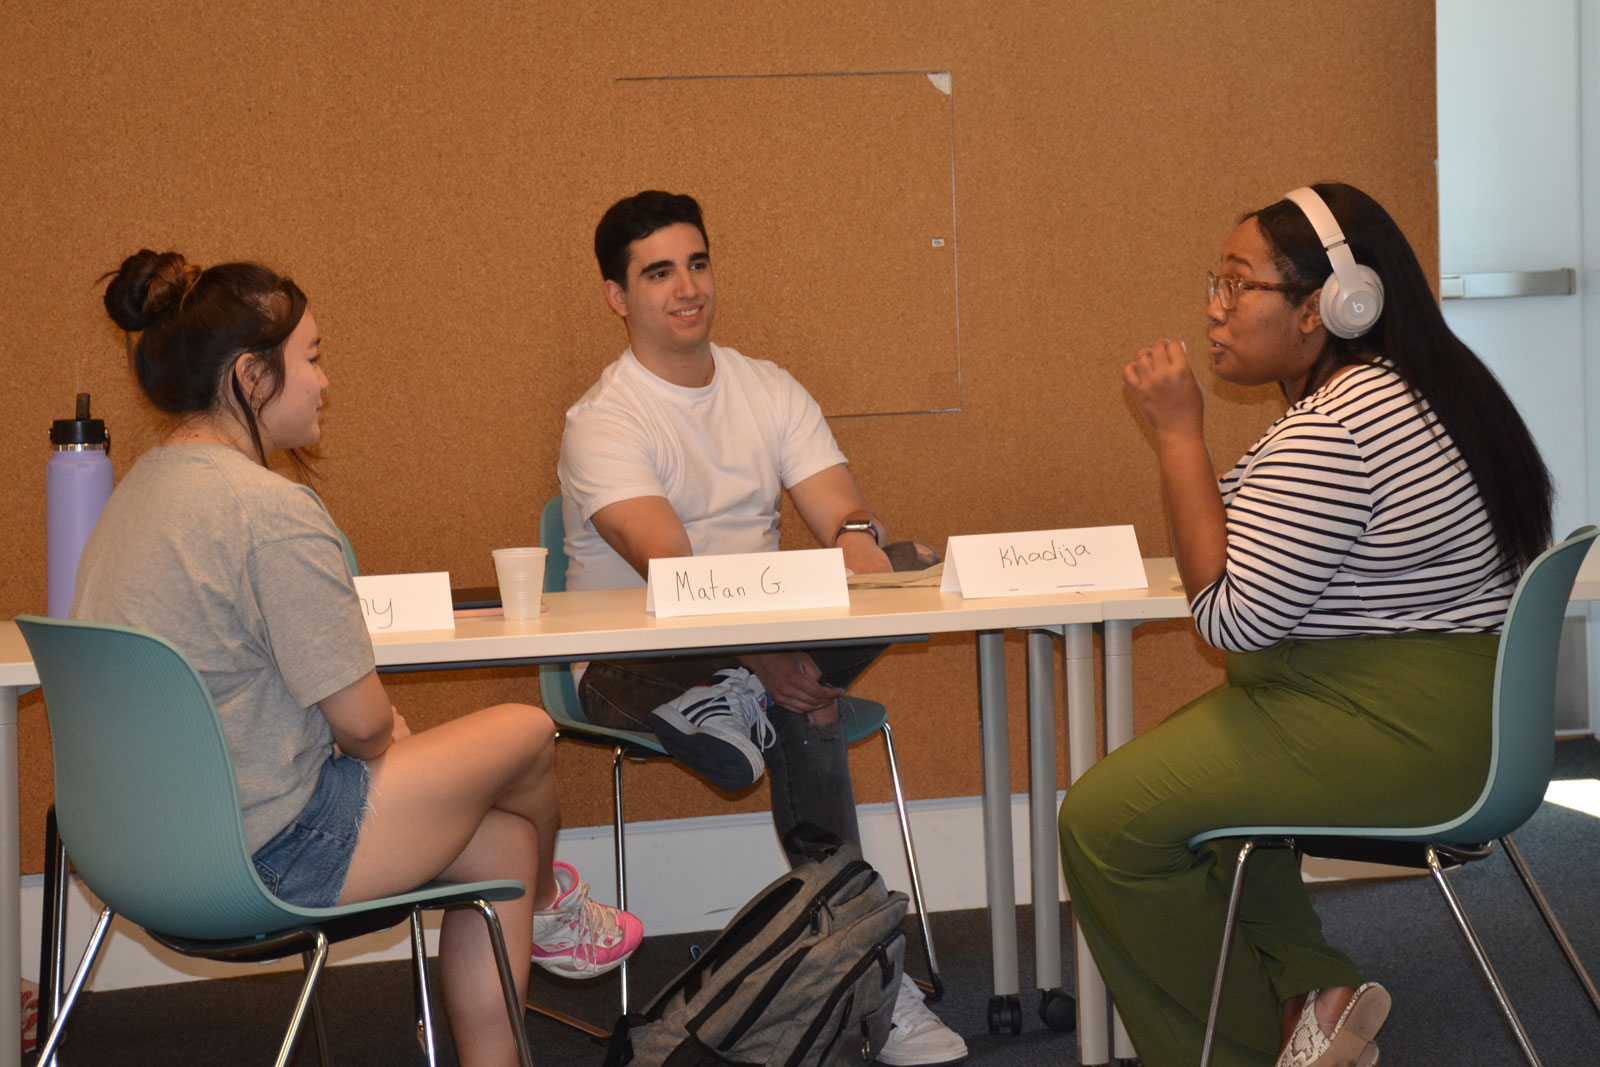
393	603
1043	561
746	581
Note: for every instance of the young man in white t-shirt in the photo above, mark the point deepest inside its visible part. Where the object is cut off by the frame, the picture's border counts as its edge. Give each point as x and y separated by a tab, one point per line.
684	448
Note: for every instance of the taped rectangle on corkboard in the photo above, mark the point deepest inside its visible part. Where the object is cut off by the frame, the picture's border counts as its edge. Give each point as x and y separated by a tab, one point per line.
829	202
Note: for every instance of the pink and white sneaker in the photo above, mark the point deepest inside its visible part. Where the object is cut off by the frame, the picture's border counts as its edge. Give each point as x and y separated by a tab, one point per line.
578	938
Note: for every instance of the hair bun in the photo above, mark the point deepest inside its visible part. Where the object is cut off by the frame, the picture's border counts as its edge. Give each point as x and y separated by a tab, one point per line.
147	286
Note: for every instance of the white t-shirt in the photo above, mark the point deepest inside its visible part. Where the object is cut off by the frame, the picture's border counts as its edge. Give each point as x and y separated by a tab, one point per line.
721	455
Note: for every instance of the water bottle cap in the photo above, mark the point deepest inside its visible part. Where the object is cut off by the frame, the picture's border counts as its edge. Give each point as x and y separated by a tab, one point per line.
81	430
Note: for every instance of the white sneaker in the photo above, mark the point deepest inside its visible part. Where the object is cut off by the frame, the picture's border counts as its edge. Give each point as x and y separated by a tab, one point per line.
919	1039
719	729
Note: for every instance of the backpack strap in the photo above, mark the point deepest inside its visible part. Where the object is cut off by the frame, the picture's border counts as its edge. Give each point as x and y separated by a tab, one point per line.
619	1049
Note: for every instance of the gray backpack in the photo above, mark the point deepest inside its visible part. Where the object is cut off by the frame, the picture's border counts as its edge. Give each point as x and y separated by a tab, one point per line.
805	975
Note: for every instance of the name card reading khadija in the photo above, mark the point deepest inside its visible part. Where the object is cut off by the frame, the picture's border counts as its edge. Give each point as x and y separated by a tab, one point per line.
748	581
393	603
1043	561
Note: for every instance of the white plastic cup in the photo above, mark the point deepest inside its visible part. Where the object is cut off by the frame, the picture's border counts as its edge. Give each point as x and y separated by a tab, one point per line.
520	572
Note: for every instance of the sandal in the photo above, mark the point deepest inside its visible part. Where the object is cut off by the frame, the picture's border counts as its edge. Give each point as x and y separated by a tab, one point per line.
1351	1042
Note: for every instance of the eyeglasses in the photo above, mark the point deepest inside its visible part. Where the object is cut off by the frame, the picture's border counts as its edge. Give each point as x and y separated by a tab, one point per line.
1227	287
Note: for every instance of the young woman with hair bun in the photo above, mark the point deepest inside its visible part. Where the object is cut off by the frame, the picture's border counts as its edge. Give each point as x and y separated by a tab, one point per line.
243	570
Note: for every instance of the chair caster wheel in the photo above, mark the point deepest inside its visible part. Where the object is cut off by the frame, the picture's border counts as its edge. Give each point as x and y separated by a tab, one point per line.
1005	1011
1058	1009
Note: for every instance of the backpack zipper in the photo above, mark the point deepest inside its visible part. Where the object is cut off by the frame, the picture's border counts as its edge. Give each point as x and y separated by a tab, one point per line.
689	980
844	1018
763	1000
781	942
879	954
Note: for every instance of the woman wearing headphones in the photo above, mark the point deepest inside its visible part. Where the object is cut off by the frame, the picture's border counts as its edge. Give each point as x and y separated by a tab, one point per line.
1356	565
243	570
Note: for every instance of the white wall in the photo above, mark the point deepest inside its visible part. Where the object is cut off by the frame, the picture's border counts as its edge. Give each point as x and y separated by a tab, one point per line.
1589	284
1519	159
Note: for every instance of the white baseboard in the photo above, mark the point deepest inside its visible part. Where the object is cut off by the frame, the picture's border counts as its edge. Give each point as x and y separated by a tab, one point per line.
684	875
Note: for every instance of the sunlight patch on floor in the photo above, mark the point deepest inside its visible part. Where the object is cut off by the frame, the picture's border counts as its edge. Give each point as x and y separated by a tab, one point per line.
1579	794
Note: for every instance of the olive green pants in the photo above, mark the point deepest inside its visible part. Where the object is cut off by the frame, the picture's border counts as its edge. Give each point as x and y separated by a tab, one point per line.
1372	730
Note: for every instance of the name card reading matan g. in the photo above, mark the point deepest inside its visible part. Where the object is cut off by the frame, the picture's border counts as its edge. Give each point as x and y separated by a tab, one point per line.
396	602
1043	561
748	581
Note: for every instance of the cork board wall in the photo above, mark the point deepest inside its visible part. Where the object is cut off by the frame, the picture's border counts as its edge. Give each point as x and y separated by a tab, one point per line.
842	179
431	177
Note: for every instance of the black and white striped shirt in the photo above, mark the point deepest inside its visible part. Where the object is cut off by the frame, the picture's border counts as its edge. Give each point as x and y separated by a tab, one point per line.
1354	514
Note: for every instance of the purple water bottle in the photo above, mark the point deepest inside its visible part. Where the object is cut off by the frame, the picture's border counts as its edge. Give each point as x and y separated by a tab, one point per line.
77	484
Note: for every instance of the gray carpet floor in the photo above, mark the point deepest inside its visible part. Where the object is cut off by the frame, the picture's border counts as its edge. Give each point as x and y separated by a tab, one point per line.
1398	930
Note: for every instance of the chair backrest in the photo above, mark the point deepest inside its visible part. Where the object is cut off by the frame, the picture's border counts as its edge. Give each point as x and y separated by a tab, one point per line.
557	689
1523	747
145	794
349	554
553	536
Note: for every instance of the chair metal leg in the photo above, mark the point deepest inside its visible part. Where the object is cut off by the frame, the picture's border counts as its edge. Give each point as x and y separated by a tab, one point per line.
315	958
419	988
1482	958
1550	921
53	924
47	1054
319	1027
911	863
1222	956
618	754
508	984
620	843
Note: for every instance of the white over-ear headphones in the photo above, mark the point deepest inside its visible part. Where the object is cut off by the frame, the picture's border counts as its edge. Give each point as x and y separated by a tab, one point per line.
1352	297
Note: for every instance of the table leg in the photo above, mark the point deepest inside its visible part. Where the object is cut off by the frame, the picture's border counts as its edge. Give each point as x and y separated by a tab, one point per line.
999	881
1055	1004
1117	646
10	886
1077	652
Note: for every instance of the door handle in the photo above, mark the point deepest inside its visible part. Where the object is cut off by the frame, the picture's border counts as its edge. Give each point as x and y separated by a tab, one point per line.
1562	281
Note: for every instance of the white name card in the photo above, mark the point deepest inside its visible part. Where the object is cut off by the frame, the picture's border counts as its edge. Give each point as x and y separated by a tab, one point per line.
396	602
1043	561
749	581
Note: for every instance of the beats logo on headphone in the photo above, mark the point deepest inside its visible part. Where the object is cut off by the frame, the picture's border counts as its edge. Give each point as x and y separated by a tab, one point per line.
1352	297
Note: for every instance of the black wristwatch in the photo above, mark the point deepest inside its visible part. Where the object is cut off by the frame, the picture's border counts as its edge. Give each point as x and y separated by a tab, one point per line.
865	526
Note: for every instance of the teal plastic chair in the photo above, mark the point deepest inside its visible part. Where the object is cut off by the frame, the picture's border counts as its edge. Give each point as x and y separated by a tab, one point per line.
147	802
53	901
862	718
1521	755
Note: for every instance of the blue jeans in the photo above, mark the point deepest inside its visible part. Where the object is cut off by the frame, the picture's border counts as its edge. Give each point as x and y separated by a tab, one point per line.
305	863
808	767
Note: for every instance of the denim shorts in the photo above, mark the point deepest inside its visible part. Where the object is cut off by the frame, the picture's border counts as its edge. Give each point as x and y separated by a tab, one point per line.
306	862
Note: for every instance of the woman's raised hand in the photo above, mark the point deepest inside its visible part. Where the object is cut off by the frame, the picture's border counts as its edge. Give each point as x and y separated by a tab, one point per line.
1164	386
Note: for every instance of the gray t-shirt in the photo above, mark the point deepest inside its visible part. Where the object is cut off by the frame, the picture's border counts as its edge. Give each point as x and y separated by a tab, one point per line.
243	571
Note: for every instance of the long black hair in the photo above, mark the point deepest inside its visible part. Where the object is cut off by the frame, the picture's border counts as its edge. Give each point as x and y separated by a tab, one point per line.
1462	392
